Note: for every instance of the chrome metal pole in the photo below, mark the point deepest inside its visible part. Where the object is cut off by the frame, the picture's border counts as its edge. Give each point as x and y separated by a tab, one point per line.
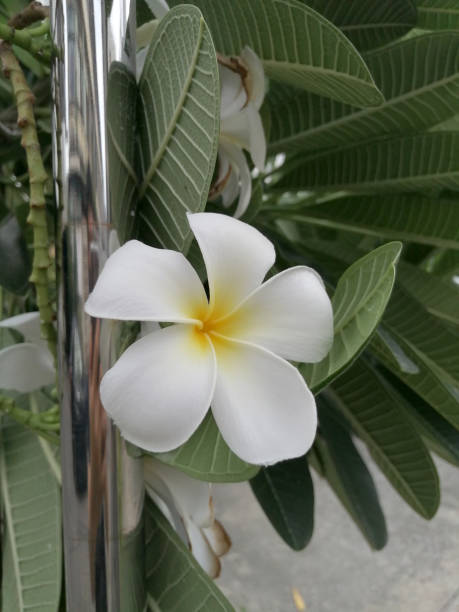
91	36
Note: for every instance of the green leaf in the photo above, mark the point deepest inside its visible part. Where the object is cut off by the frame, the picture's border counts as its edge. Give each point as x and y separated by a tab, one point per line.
410	217
297	46
285	492
178	117
121	120
175	581
359	302
437	295
15	268
32	554
410	163
438	14
439	435
349	477
371	23
418	372
376	413
418	77
206	456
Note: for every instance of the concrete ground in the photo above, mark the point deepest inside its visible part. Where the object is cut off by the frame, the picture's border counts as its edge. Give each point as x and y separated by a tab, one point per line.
418	571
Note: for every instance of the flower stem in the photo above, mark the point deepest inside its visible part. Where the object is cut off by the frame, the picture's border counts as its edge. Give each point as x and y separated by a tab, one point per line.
37	179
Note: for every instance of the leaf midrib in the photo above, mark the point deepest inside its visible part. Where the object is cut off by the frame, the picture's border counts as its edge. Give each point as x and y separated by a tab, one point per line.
181	103
9	525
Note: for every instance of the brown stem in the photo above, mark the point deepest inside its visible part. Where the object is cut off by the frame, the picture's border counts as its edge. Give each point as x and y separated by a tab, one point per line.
33	12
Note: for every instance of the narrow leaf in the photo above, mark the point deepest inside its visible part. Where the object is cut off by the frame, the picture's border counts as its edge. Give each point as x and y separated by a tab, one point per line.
410	163
418	77
410	217
178	126
359	302
376	413
297	46
32	539
285	492
349	478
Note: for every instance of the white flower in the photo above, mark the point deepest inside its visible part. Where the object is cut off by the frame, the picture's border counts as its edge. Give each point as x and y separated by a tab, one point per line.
242	82
229	351
27	366
187	504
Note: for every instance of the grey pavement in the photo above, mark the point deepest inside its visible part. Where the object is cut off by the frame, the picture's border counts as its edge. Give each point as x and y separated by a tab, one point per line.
418	571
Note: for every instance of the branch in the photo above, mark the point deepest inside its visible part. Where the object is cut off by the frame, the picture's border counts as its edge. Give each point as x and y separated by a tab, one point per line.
45	423
35	11
37	179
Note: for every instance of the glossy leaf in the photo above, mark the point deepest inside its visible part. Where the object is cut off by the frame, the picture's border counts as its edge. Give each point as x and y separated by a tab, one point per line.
349	477
297	46
15	265
410	217
376	412
285	492
359	302
175	581
178	126
410	163
418	77
206	456
31	499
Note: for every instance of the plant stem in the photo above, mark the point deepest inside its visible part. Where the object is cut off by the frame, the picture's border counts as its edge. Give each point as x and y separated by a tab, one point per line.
27	41
37	179
45	424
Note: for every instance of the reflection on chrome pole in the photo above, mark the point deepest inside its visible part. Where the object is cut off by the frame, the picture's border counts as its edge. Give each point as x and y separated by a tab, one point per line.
102	521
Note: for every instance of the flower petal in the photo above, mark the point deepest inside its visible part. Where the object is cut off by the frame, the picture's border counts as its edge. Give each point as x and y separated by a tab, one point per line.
245	130
256	76
232	93
240	170
141	283
191	496
290	315
261	404
237	258
257	138
218	539
201	549
26	367
160	388
27	324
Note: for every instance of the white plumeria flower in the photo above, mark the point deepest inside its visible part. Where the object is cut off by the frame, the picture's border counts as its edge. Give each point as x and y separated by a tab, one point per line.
187	504
228	352
242	82
27	366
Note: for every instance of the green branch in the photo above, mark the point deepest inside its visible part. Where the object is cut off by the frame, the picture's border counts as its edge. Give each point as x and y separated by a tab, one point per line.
45	424
28	40
37	179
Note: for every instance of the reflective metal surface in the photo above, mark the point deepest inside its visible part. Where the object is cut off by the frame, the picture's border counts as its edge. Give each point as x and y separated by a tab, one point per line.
101	519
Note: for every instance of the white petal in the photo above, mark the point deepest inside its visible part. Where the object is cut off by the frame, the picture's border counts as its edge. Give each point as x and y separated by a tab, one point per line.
256	76
27	324
245	129
290	315
261	404
141	283
218	539
201	550
26	367
232	93
158	7
192	497
237	258
241	170
257	138
231	190
160	388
